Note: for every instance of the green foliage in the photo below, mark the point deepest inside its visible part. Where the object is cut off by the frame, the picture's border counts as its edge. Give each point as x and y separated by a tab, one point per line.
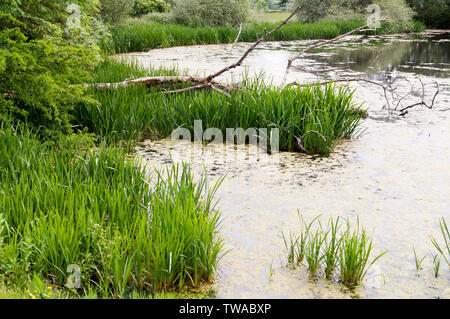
434	13
143	36
283	4
142	7
443	249
327	250
259	5
44	46
100	211
211	12
115	11
313	118
313	10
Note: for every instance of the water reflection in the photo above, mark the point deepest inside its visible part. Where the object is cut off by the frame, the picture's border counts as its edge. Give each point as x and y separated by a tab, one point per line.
427	55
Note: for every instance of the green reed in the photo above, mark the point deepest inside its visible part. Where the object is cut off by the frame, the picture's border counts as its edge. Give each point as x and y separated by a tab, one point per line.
311	118
341	255
354	255
94	208
418	260
145	36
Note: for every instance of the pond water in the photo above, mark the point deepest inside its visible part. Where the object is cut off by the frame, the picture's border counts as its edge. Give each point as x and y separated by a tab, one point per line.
395	177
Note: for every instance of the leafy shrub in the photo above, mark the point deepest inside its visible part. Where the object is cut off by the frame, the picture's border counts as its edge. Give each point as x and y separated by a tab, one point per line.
210	12
311	10
143	7
158	17
115	11
44	46
259	5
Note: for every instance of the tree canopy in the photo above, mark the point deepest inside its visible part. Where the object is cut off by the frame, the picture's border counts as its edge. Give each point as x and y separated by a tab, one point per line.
44	47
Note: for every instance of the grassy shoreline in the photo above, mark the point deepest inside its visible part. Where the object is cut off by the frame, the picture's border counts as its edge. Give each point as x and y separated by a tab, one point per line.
82	201
87	214
144	36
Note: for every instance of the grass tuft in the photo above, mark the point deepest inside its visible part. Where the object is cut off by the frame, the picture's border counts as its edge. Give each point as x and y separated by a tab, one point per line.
331	252
92	214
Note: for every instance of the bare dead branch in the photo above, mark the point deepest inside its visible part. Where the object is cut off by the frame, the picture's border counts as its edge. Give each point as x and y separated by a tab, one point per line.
190	88
238	36
404	110
321	44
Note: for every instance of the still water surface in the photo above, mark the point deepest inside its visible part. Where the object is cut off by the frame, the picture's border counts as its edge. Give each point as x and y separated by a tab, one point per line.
395	177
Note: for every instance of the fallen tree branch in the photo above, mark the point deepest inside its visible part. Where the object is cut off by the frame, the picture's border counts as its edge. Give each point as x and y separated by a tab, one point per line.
396	98
210	77
154	81
200	83
321	44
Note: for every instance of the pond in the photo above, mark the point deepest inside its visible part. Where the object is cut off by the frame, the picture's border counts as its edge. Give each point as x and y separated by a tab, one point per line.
395	177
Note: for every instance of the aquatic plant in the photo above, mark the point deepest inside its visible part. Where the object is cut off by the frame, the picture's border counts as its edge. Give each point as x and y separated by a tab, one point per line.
354	254
443	250
89	217
418	260
332	242
143	36
327	250
314	255
436	265
297	245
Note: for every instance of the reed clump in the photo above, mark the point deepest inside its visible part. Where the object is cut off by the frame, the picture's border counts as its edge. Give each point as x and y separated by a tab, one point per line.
311	119
90	216
443	249
330	251
143	35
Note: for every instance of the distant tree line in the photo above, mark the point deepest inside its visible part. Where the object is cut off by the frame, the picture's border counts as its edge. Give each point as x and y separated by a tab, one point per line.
434	13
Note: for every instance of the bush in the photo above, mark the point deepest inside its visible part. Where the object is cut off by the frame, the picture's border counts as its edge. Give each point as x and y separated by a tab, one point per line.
434	13
312	10
115	11
158	17
210	12
143	7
